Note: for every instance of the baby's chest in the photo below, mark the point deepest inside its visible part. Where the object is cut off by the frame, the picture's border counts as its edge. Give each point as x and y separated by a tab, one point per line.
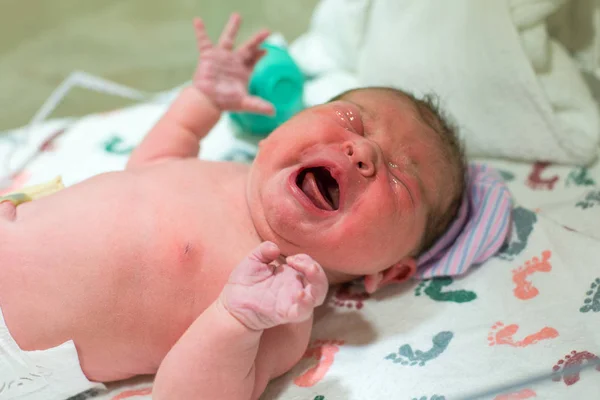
201	243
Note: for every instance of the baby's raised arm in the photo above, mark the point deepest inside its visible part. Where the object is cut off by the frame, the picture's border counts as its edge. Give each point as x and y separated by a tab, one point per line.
220	83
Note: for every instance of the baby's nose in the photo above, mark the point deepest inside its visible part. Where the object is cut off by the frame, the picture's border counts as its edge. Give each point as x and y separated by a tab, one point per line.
363	155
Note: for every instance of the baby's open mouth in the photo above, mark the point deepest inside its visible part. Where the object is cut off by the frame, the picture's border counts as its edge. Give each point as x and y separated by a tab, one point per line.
320	187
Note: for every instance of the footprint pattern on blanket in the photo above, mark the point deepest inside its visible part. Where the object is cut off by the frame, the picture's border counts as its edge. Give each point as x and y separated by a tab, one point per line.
504	334
350	295
434	397
579	177
520	395
524	289
115	145
592	301
535	180
319	397
567	369
523	222
590	200
127	394
323	351
436	290
49	145
239	155
507	176
407	356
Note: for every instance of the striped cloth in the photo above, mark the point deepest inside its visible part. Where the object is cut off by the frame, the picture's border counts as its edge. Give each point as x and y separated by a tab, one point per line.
479	230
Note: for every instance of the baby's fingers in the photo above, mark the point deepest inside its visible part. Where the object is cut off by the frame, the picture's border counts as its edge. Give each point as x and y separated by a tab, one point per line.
316	280
247	51
265	253
252	60
257	105
202	41
228	35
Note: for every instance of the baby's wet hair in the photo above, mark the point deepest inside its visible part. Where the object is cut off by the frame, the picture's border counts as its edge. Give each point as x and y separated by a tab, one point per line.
452	150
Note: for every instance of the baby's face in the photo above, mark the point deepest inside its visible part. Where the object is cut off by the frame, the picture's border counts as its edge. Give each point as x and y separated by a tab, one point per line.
349	182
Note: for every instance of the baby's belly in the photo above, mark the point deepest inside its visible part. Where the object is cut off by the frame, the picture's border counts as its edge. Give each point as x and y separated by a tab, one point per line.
118	275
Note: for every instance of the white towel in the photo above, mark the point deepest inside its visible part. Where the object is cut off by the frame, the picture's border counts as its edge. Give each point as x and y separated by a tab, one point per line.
514	91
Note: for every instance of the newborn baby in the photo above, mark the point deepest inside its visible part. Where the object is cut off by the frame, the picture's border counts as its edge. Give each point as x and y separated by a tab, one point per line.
207	273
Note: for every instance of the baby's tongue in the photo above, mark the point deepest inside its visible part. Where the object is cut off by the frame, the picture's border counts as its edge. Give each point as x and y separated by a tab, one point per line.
311	189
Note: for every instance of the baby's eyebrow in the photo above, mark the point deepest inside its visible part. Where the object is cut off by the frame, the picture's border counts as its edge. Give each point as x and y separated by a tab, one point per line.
365	111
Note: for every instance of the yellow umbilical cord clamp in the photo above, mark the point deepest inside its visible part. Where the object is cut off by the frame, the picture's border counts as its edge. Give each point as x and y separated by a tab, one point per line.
34	192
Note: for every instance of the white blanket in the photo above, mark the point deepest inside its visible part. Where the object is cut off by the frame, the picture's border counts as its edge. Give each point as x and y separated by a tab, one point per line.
523	315
513	90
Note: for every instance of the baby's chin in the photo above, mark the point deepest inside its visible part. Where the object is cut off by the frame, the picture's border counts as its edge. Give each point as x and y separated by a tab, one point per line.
305	243
281	222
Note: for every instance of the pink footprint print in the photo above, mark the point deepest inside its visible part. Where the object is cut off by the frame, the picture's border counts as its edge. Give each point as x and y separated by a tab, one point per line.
323	351
524	289
567	369
535	179
350	295
48	144
503	334
520	395
127	394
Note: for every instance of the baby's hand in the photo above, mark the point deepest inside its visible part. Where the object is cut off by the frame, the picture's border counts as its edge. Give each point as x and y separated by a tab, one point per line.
223	73
261	295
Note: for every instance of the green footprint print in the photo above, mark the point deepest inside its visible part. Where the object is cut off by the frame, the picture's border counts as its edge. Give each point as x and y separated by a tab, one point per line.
434	289
114	145
523	223
319	397
240	155
506	175
592	302
579	177
434	397
591	199
406	355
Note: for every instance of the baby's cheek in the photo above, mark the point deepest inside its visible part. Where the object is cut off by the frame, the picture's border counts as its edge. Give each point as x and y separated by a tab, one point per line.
388	237
368	236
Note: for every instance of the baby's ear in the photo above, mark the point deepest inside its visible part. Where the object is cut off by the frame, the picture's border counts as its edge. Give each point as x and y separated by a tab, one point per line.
397	273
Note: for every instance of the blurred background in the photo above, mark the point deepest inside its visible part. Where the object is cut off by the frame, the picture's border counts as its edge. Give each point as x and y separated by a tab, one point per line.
146	44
